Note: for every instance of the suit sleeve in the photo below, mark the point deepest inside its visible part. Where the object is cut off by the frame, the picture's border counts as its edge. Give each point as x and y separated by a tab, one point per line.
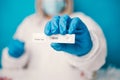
95	59
9	62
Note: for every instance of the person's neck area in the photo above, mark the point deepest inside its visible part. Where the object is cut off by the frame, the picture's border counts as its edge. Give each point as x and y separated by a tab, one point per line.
48	17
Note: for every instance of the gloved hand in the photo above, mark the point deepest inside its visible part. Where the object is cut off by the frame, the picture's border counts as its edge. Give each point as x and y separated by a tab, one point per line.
65	25
16	48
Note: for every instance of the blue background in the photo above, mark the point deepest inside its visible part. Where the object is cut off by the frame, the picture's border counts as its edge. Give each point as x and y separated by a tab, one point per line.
105	12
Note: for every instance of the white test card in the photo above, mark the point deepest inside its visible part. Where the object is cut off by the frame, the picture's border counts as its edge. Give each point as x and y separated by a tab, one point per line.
68	38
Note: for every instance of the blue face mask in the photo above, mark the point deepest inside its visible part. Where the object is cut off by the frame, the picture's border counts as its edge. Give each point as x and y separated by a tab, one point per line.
53	7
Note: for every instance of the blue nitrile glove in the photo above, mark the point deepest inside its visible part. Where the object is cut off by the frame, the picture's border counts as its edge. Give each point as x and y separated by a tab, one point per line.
16	48
65	25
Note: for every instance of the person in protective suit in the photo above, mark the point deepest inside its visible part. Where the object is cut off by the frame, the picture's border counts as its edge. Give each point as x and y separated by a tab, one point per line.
57	61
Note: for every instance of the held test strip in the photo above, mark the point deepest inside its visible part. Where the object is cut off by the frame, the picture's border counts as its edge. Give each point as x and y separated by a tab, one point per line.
39	37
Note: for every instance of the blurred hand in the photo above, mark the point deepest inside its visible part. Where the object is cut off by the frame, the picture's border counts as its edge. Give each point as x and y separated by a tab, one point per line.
66	25
16	48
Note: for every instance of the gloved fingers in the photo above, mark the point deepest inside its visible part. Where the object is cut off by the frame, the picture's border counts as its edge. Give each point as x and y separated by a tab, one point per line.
76	25
64	23
47	29
55	25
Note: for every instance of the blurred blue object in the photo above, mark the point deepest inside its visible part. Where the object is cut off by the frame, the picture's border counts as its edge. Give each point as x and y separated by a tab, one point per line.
16	48
66	25
12	12
105	12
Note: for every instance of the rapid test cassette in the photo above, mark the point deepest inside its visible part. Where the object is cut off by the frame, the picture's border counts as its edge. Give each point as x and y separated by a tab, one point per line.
58	38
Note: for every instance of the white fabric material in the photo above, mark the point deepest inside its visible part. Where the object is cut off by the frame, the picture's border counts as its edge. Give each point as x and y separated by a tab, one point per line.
54	65
103	74
13	63
111	73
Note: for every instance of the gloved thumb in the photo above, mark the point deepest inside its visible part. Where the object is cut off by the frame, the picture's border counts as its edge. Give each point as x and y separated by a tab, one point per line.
56	46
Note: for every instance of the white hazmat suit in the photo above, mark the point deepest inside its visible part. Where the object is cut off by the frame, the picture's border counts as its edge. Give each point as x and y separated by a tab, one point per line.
49	64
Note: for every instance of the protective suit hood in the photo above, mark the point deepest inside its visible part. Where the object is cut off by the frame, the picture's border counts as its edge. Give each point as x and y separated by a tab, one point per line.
68	9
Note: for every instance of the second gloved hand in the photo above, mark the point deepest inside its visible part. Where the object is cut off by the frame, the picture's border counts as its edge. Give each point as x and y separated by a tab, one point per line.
16	48
66	25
